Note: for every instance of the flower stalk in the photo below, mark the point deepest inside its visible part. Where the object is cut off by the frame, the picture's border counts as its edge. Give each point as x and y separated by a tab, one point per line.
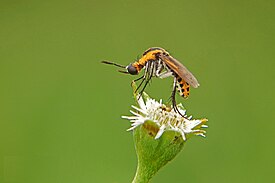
159	134
154	153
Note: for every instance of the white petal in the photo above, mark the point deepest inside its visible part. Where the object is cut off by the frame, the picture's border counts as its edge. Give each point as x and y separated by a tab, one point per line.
129	117
130	129
183	135
134	113
167	119
140	110
160	132
141	102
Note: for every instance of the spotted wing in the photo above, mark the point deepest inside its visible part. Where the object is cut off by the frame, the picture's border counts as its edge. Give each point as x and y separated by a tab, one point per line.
180	70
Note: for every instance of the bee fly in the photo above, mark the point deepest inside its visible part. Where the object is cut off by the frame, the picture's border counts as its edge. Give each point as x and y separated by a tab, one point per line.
157	62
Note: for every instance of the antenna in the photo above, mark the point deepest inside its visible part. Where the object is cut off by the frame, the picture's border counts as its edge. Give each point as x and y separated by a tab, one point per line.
112	63
124	72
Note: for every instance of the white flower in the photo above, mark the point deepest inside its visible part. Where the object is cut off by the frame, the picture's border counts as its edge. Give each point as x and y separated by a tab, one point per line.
165	117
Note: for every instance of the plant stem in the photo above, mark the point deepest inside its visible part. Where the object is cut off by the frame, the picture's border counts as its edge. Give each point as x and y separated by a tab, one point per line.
142	176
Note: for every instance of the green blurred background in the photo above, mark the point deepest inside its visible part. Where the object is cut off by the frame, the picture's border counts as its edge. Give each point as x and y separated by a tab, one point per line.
60	108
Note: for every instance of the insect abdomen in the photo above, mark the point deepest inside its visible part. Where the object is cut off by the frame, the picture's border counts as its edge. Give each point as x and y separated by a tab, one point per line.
183	87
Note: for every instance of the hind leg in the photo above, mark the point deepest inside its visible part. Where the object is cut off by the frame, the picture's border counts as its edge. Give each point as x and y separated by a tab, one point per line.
173	97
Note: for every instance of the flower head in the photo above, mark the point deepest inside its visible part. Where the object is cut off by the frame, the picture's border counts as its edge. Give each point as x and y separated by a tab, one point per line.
165	117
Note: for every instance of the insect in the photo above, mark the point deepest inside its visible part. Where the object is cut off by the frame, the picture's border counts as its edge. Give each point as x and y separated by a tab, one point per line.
157	62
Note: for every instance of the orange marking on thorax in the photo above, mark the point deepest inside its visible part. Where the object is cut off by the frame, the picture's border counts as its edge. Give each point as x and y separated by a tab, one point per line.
149	55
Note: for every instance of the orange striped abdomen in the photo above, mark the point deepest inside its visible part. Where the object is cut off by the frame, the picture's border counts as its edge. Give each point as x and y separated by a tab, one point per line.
183	87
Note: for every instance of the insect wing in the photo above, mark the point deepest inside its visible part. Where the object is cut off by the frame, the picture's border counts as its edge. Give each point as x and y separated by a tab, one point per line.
180	70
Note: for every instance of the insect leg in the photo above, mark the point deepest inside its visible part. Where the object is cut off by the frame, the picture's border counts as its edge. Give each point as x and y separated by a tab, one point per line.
135	80
144	77
173	97
138	78
149	75
164	74
159	68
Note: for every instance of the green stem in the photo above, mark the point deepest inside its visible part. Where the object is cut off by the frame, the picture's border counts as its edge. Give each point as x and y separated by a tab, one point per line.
154	153
142	175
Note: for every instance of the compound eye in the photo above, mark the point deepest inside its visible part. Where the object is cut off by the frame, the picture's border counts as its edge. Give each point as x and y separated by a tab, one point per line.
132	70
